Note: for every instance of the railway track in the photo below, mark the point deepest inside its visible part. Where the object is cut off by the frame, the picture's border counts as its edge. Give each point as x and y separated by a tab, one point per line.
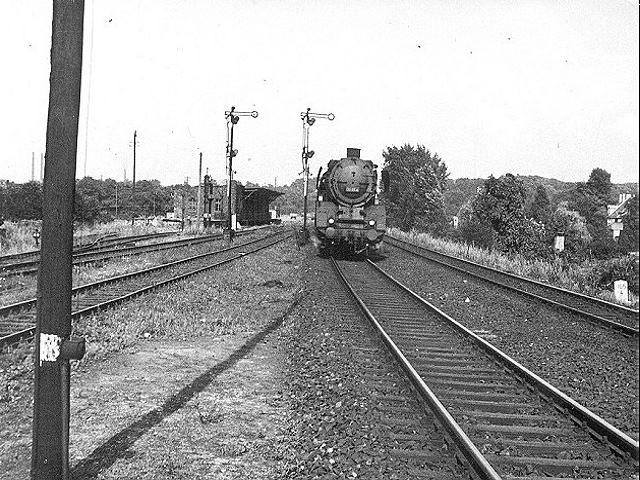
124	248
102	242
354	400
506	422
607	314
17	321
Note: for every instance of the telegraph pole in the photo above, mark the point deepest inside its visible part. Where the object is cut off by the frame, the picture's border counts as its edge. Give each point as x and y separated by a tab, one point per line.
199	214
133	186
50	459
33	166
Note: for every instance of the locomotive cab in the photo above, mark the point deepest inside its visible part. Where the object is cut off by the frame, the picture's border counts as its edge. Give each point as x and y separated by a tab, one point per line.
348	214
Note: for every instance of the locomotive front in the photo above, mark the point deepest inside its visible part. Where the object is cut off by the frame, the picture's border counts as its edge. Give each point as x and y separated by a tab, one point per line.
348	214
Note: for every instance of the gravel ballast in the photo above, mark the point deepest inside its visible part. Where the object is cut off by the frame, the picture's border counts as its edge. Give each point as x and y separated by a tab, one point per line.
355	415
596	367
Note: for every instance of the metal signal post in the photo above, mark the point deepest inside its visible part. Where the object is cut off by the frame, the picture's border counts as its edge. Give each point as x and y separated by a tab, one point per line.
308	119
233	118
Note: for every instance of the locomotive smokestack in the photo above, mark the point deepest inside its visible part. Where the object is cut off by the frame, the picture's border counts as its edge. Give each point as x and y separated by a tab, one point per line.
353	152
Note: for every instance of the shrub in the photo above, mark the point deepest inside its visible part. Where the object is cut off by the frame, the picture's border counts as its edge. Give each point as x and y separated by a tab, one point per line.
623	268
562	270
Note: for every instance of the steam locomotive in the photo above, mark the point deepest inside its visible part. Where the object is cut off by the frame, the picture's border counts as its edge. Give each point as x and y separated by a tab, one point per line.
349	216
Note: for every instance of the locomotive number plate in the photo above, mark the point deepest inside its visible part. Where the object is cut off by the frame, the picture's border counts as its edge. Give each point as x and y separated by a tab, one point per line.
353	189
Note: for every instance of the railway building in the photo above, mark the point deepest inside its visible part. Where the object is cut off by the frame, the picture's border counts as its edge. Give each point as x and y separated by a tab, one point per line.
249	204
616	214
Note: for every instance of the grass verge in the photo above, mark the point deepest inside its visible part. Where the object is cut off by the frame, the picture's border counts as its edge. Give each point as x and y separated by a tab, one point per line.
581	278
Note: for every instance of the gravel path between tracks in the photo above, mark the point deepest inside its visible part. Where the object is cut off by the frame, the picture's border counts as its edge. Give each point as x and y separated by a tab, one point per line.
184	383
596	367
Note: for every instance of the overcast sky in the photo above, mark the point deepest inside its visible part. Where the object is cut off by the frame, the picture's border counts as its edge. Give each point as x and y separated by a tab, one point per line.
544	88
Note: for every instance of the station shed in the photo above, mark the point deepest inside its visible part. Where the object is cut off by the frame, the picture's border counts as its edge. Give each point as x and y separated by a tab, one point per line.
250	204
256	202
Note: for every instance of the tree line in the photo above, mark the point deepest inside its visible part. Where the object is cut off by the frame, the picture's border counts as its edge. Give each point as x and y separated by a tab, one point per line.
502	214
95	200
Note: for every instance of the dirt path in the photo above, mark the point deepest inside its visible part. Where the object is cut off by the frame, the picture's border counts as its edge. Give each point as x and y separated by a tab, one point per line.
211	409
205	402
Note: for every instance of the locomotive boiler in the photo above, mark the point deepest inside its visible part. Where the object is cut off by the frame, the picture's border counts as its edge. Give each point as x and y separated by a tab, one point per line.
348	214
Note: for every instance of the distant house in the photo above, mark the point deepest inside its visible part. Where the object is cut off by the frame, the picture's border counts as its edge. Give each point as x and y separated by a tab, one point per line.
616	213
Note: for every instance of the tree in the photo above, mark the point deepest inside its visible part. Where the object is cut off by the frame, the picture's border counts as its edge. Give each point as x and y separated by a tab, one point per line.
152	199
474	231
293	199
628	240
540	208
572	225
417	183
599	184
590	199
88	202
501	202
24	201
501	205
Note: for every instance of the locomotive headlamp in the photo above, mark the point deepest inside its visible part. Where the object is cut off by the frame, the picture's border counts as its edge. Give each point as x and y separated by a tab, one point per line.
331	221
372	223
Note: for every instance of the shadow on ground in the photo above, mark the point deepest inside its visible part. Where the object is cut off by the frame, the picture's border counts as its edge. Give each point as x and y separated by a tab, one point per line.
116	447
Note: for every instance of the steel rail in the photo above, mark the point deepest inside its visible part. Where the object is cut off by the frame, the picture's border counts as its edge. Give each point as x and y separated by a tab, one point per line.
14	307
525	279
161	283
101	242
601	321
621	442
84	257
109	238
472	455
25	333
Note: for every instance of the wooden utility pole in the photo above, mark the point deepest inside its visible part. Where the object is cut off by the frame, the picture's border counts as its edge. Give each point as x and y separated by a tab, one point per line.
33	166
53	322
199	214
133	187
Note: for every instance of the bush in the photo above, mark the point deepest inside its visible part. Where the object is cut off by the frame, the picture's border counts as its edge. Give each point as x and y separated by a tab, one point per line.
624	268
588	277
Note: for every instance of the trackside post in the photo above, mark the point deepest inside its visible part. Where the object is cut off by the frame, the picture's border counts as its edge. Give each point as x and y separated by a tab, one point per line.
49	458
